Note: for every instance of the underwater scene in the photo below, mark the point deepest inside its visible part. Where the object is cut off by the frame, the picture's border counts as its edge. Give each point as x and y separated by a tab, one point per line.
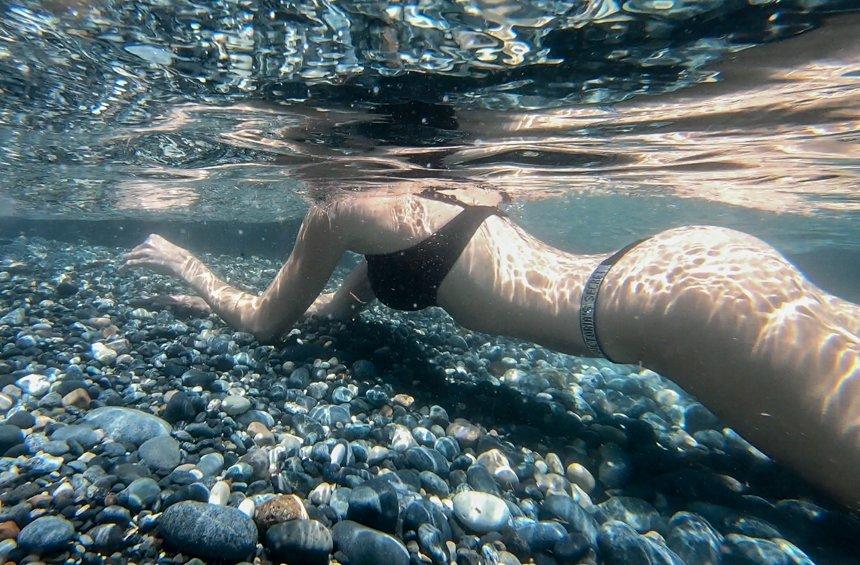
430	281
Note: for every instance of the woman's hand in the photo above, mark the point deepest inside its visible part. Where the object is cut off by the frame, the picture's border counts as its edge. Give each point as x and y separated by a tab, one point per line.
158	255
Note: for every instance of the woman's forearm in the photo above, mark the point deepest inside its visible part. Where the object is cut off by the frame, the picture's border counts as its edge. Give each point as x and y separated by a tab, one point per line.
239	309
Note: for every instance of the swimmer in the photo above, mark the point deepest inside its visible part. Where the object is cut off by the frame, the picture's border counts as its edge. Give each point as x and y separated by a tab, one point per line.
718	311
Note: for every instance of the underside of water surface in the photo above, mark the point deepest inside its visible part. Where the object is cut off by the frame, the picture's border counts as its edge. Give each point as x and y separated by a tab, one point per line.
133	428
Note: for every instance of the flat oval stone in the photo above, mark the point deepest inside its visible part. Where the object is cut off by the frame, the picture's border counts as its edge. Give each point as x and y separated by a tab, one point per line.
481	512
47	534
127	425
160	453
300	542
281	508
366	546
235	405
209	531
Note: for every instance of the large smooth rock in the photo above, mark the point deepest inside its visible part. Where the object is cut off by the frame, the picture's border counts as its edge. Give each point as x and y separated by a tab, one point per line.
46	535
299	542
481	512
209	531
127	425
366	546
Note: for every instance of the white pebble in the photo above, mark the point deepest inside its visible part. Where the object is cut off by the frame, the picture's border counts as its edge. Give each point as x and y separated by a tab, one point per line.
220	493
247	507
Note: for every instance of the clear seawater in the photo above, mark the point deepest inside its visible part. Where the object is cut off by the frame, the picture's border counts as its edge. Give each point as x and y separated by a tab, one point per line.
605	120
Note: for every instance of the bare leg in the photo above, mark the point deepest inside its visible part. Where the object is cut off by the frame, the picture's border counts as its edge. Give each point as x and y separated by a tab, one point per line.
353	296
298	283
733	322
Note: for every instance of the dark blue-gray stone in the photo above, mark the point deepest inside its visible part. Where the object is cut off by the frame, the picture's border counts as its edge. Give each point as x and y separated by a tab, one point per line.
114	515
10	436
160	453
567	510
448	447
366	546
140	494
375	505
127	425
694	539
572	548
299	542
299	378
426	459
422	511
21	419
330	414
47	534
434	484
211	464
480	479
182	406
639	514
196	377
209	531
107	537
742	550
432	543
542	536
621	545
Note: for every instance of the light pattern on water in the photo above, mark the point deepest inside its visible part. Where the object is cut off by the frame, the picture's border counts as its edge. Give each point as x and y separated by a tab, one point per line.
223	110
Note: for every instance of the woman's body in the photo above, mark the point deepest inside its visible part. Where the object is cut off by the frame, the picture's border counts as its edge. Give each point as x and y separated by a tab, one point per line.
718	311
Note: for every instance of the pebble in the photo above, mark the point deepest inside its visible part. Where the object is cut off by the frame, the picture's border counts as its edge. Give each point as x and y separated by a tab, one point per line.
744	549
208	531
160	453
219	494
619	543
140	494
79	398
580	476
694	539
640	515
300	542
481	512
366	546
374	504
107	537
48	534
211	464
34	385
127	425
281	508
103	354
10	436
464	432
235	405
21	419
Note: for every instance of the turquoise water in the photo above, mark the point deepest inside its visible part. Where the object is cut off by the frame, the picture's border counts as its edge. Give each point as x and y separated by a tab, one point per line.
211	122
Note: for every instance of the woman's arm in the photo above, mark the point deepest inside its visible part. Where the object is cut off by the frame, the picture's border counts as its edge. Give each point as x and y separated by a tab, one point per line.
297	284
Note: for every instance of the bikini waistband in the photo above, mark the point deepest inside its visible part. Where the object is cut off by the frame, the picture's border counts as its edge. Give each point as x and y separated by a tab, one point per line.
588	304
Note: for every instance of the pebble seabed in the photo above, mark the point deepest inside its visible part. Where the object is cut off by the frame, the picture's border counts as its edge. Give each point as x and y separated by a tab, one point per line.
137	434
